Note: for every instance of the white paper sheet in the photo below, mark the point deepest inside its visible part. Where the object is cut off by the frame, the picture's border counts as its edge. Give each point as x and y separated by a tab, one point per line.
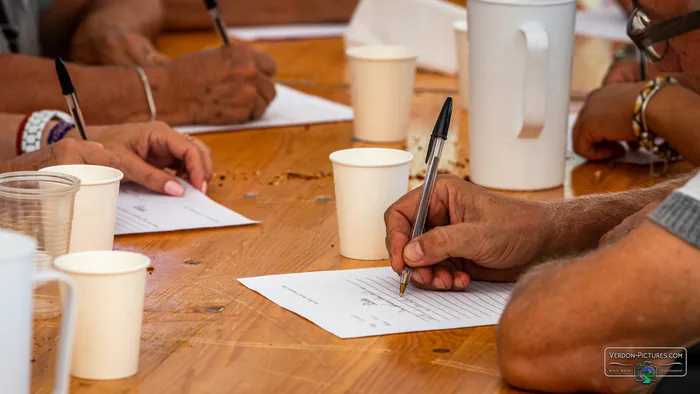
142	211
608	24
289	108
288	32
365	302
640	157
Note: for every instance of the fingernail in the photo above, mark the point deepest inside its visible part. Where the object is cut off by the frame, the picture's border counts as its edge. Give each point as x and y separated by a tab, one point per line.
204	187
441	284
459	283
174	189
418	279
414	252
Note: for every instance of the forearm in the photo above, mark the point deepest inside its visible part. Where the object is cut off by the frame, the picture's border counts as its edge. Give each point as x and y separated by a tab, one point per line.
191	14
9	124
640	293
577	224
673	115
107	94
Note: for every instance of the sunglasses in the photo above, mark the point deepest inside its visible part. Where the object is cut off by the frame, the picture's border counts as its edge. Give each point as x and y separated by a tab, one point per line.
652	38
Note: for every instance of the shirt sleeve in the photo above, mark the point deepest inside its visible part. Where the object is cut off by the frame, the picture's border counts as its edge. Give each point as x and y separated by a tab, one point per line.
680	212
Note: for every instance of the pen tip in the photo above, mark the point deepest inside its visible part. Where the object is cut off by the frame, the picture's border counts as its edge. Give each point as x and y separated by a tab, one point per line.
211	4
402	289
64	77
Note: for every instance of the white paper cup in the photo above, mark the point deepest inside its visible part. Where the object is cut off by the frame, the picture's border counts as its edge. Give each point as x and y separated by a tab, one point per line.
95	208
108	329
381	85
367	181
460	28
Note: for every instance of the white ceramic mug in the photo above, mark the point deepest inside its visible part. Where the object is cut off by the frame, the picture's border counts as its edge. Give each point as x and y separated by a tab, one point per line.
17	275
520	68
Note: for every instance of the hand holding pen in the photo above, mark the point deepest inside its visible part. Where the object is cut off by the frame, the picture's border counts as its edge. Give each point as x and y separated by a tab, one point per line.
437	140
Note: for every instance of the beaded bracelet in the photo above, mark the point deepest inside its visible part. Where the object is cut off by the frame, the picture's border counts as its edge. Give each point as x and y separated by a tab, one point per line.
647	139
58	131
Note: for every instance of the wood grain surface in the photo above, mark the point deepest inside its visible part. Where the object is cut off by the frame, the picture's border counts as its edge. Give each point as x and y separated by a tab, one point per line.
203	332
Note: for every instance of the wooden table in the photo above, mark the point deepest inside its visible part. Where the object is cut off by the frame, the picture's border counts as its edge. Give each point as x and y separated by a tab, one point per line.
203	332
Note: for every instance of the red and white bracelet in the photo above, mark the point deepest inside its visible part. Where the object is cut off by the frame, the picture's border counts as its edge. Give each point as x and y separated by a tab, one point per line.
31	131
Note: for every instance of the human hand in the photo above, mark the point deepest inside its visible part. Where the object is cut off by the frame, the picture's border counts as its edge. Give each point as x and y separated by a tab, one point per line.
629	224
471	233
115	46
606	120
144	150
623	71
69	151
228	85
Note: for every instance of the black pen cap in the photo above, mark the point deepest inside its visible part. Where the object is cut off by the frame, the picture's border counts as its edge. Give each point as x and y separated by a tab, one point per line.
64	78
442	126
211	4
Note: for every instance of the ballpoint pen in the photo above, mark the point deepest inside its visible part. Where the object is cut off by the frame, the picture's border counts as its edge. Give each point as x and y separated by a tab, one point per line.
437	141
71	98
213	8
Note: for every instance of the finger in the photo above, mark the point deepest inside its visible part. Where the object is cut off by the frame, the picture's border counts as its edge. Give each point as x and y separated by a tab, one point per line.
259	108
587	145
152	178
207	160
605	150
165	141
265	87
143	53
264	63
423	277
442	243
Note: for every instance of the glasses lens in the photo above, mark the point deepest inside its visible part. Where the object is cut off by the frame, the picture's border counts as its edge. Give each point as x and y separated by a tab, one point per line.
638	22
658	50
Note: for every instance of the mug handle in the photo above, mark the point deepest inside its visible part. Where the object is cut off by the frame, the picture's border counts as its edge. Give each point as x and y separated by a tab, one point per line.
536	68
65	349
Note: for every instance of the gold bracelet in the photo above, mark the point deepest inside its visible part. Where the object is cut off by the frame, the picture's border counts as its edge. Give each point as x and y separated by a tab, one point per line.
647	139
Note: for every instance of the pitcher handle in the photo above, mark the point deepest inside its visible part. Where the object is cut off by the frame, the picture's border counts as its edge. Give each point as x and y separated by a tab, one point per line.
65	348
536	68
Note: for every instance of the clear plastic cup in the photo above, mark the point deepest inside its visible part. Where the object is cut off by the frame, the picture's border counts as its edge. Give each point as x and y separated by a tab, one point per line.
40	205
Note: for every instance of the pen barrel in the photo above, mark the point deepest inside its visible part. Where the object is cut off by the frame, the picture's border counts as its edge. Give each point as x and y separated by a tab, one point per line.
72	101
219	25
428	186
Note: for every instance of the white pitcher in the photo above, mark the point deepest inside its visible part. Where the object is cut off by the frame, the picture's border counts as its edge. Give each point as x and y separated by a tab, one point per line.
17	275
520	74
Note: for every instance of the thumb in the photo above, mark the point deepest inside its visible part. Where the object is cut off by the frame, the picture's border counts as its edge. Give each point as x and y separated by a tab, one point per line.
438	245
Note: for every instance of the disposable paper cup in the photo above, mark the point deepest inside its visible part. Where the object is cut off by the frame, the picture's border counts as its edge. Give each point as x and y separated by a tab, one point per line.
95	209
108	328
381	85
367	181
460	28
